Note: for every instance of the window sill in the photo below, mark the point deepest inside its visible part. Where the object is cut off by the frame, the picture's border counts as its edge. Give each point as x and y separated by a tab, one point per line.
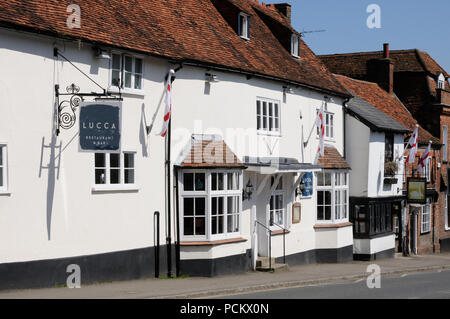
268	133
212	243
115	90
114	189
319	226
5	193
280	232
327	139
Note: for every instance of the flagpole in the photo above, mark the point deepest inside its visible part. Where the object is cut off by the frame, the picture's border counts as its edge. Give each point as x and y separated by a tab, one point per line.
168	206
312	129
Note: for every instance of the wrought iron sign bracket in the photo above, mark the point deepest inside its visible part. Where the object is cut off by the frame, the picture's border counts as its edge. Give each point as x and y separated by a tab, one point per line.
66	110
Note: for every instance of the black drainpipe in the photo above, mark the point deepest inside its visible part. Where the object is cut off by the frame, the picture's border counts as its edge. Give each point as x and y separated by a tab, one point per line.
177	211
344	105
168	190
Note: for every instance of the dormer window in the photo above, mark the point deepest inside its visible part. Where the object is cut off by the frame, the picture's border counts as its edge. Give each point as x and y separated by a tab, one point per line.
295	45
441	82
244	25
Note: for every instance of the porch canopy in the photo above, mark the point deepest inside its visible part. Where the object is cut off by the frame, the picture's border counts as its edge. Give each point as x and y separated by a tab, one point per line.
277	165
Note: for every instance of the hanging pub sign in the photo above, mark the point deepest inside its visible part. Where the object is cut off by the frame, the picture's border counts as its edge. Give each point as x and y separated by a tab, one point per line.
416	188
306	185
100	126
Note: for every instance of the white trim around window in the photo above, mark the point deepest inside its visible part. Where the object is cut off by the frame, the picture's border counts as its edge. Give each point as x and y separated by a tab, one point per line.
244	25
210	204
115	172
332	192
425	219
427	170
329	125
3	168
441	82
447	213
268	116
129	70
277	212
295	45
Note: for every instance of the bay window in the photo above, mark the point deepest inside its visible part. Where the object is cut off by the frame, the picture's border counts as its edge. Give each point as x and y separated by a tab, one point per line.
332	197
374	217
211	203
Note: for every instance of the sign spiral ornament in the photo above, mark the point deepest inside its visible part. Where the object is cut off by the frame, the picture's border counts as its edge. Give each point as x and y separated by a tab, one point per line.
67	109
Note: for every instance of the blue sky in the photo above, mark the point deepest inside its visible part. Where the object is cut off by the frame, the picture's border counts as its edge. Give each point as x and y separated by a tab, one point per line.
405	24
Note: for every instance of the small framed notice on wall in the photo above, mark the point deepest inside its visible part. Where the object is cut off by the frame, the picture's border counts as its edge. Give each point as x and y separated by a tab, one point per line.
296	213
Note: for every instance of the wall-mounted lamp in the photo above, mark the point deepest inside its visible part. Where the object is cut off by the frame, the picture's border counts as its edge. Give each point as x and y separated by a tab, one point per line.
247	191
287	89
211	78
101	54
299	190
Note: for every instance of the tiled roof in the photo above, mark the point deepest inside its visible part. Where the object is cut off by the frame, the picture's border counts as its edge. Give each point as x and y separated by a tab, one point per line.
210	154
182	30
332	159
373	117
354	64
387	103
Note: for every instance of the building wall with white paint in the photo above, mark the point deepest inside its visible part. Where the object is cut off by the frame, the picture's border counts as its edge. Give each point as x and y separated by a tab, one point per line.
52	207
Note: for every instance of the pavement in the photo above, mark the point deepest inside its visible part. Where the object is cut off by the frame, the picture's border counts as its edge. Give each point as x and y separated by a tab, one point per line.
208	287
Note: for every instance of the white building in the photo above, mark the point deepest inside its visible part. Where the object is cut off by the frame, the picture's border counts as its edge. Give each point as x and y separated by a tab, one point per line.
375	151
60	206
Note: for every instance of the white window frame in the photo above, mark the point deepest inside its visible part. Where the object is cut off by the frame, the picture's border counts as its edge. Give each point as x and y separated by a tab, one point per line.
341	188
208	194
107	186
427	170
295	45
329	127
447	213
130	90
272	120
4	167
243	30
425	224
445	142
278	191
441	82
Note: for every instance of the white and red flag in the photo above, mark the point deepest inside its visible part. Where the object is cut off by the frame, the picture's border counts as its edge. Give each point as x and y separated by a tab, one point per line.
413	144
168	102
424	159
321	126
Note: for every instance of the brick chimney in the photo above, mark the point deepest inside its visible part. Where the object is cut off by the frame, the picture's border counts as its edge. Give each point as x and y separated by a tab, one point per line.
381	71
284	9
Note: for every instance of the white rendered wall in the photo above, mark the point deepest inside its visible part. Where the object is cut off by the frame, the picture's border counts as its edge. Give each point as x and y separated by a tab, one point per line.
373	246
357	149
55	213
376	187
